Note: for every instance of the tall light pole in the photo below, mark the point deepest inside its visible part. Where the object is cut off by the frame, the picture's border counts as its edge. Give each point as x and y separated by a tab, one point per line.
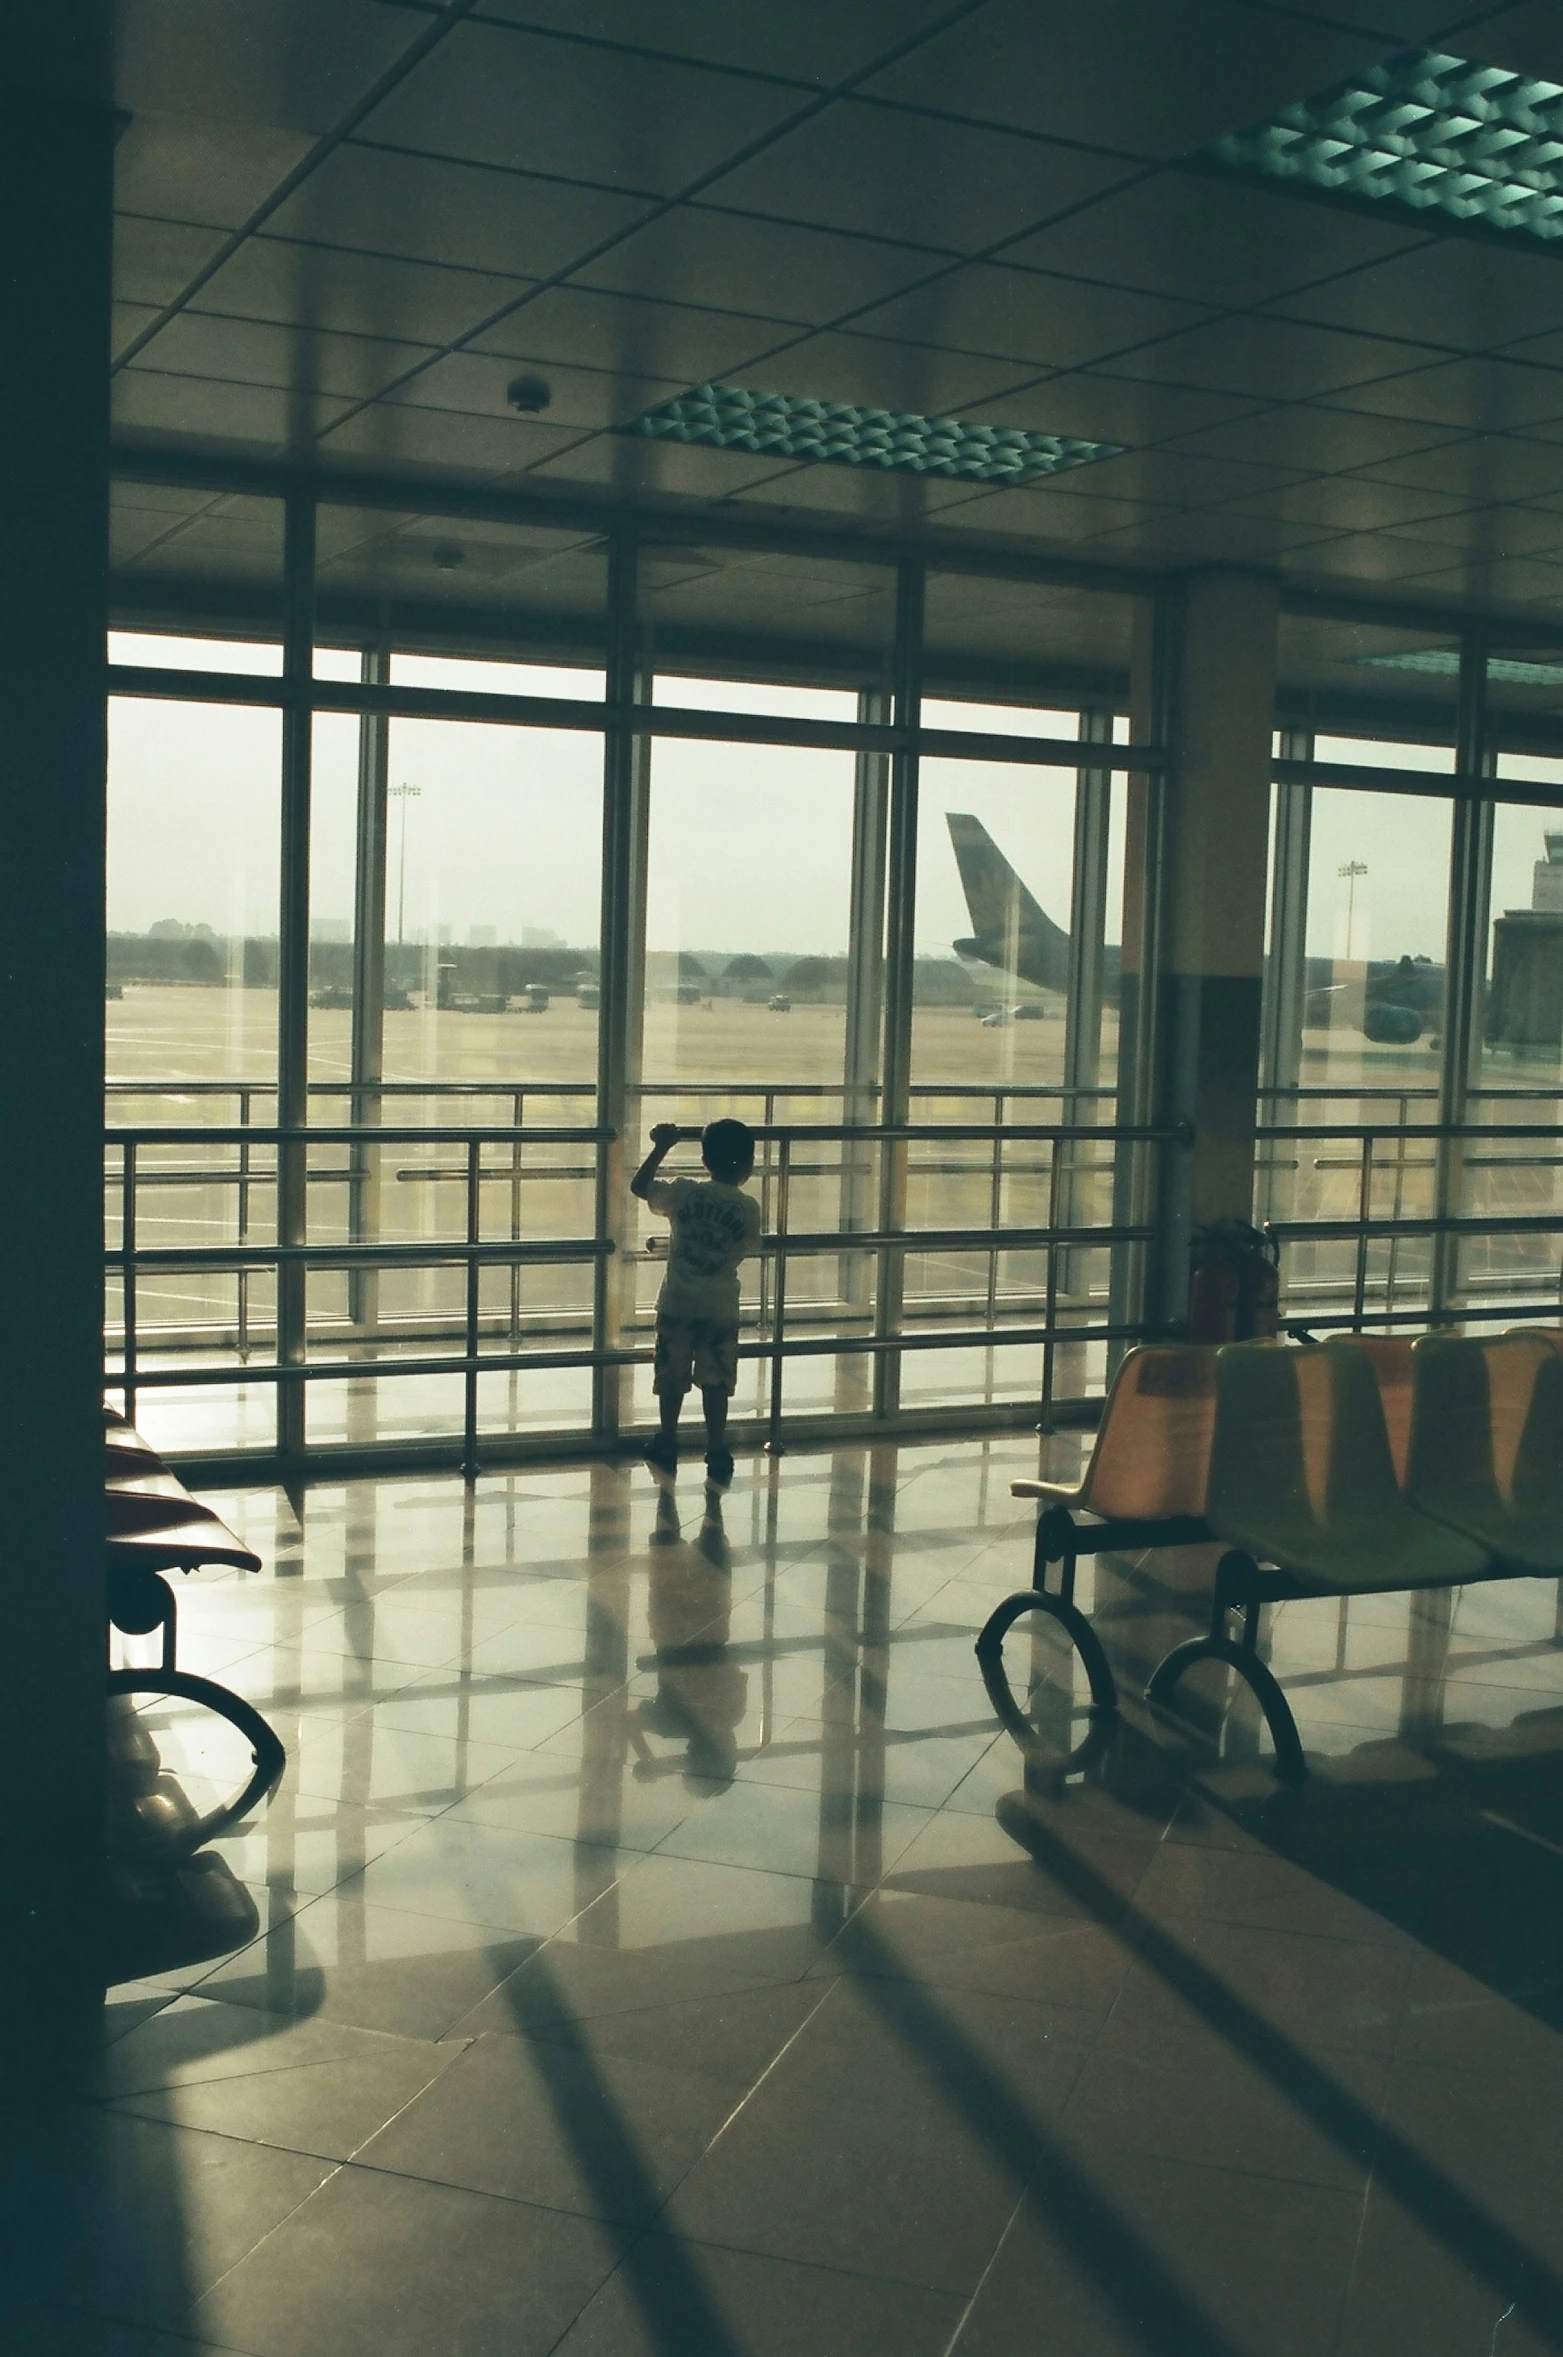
403	795
1352	869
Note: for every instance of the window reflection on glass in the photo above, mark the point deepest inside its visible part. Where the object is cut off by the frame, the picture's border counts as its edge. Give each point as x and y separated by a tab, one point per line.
1518	1065
492	858
193	801
1362	978
193	850
1521	1043
761	996
1013	1023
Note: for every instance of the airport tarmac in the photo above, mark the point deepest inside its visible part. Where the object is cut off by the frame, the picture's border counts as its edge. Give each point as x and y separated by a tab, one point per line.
724	1056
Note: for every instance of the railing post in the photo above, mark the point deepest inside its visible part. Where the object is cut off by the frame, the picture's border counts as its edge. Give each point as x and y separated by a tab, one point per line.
626	819
1465	965
293	970
865	990
773	1445
518	1109
1364	1216
368	1037
127	1245
1050	1299
996	1201
246	1099
469	1452
900	975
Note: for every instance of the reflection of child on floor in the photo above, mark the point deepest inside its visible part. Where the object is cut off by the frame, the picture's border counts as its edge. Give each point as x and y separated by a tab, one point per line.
715	1225
701	1692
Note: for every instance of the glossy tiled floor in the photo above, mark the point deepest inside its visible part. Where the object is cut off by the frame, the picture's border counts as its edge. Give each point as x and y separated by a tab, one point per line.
655	1953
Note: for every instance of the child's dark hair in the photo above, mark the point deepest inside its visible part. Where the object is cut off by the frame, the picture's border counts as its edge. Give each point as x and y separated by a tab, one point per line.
726	1146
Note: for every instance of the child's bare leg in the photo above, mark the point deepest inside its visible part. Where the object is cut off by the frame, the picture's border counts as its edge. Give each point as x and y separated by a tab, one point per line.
713	1398
670	1406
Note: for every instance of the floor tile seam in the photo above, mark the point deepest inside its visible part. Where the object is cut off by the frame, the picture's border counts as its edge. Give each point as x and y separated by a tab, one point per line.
953	2343
1174	1920
483	2193
125	2109
653	2232
581	2022
1105	2148
707	2242
1354	2265
273	2070
742	2104
187	2313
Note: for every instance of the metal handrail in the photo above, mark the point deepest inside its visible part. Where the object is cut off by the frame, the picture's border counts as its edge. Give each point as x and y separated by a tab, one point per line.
471	1251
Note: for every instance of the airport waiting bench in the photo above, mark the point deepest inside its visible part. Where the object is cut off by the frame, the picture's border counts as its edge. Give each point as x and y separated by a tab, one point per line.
154	1526
1330	1470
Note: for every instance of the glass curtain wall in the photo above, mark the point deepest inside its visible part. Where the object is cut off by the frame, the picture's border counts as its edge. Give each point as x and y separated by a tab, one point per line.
576	864
1410	1040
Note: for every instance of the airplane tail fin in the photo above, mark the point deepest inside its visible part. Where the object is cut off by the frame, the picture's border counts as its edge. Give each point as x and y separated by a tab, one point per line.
1013	929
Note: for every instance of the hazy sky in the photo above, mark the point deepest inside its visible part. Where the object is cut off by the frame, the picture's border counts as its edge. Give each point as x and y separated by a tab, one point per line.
750	847
1401	904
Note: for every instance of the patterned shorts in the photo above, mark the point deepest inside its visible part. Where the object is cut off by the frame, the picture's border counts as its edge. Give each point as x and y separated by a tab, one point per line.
701	1348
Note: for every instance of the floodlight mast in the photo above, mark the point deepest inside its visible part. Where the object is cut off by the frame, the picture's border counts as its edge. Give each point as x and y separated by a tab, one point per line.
1351	869
403	795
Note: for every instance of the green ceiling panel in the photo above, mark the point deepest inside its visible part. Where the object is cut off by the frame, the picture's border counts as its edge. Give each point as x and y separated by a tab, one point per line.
837	433
1425	134
1444	663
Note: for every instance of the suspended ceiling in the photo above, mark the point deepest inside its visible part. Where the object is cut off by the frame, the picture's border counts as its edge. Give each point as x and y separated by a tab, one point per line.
347	226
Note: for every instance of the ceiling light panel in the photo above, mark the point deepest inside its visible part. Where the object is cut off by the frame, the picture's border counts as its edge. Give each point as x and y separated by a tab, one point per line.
838	433
1444	663
1426	135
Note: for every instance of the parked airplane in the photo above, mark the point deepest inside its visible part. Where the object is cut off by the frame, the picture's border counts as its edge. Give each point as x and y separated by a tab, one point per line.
1009	929
1393	1001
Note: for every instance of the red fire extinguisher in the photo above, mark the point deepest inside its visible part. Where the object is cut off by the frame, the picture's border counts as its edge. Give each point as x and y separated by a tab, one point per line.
1234	1286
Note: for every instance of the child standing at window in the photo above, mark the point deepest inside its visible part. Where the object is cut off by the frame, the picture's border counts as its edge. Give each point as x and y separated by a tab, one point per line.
715	1225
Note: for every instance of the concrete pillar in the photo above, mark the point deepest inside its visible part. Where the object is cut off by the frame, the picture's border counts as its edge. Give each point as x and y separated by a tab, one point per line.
55	203
1214	838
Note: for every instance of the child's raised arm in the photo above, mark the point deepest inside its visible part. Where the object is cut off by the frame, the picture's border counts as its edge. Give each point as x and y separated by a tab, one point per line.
663	1139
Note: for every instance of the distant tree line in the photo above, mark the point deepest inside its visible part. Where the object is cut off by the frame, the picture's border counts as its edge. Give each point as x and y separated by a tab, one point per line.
173	952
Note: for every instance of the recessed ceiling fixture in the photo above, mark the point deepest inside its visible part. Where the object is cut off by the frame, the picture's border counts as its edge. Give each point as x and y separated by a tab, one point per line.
838	433
1444	663
1424	134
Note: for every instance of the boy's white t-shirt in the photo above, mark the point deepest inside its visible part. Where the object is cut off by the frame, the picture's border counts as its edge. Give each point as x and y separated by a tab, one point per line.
714	1226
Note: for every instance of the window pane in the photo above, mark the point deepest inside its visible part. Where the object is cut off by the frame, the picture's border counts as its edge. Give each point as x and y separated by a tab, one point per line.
162	651
758	1004
493	853
1522	1033
1366	1009
193	797
997	1039
1519	1053
748	916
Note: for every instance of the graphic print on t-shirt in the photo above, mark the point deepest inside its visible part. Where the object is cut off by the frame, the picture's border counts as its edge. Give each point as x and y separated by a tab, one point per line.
714	1228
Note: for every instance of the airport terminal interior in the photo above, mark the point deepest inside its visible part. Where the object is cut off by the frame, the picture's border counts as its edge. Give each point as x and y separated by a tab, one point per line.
977	587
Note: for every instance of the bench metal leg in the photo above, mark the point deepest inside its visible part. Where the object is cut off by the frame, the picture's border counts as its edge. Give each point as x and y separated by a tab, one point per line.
1290	1765
265	1745
141	1601
990	1656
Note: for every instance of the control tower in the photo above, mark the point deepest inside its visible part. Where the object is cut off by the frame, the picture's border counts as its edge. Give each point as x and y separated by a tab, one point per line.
1525	1003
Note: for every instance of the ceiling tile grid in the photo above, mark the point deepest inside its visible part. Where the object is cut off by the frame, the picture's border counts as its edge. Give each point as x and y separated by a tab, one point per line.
347	228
